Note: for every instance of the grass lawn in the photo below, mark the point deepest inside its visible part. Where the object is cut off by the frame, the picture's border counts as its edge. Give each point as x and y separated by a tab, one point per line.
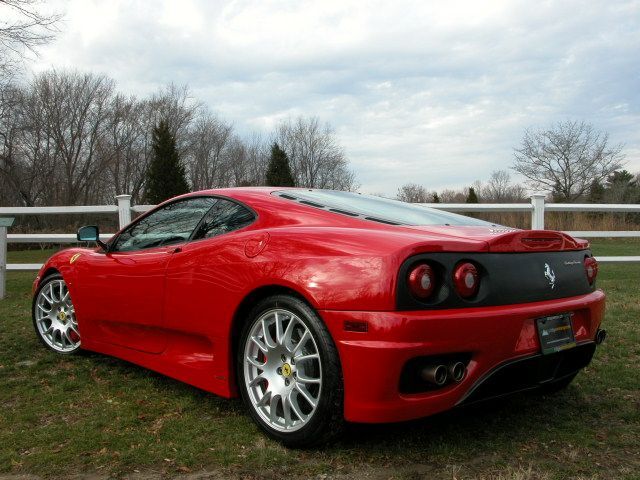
98	415
615	246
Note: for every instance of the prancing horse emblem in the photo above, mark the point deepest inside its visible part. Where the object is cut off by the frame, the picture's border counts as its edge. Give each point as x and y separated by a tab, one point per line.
550	275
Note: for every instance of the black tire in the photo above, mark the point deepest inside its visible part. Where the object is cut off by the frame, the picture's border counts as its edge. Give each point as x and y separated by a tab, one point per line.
44	283
558	386
327	421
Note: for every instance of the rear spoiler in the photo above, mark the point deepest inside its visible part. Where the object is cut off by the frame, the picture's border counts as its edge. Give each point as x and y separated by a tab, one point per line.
536	241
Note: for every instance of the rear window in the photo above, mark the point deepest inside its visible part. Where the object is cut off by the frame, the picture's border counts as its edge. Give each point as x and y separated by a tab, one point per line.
376	209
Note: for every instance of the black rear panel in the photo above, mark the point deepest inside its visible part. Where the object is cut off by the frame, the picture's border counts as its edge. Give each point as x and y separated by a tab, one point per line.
505	278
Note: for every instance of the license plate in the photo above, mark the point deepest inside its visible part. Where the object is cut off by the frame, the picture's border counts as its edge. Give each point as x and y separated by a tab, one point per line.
555	333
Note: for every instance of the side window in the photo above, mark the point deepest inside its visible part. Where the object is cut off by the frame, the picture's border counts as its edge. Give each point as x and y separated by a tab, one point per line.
171	224
225	216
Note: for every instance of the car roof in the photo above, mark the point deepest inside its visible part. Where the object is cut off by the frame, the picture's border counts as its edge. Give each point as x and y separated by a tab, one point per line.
239	192
279	211
245	194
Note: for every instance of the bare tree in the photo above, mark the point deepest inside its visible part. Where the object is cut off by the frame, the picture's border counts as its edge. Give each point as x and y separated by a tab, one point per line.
257	152
567	158
500	189
414	193
21	182
174	104
23	26
123	147
64	117
317	160
208	151
131	122
237	163
453	196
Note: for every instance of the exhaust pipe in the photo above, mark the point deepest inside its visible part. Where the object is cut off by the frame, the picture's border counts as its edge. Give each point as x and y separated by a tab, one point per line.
435	374
457	371
601	334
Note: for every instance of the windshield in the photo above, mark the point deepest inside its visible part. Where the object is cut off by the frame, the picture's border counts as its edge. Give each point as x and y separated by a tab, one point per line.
377	209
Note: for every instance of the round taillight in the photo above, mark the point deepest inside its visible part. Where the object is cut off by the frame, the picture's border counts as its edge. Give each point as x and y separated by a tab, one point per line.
466	279
422	281
591	269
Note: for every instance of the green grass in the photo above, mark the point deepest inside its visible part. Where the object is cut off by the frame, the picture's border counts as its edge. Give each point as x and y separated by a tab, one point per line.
615	246
94	414
30	256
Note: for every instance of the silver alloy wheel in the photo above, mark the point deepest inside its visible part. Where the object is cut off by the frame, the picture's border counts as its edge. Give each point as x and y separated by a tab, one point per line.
282	370
56	318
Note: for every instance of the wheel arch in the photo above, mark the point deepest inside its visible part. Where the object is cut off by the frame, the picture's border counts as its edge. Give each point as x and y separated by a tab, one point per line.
240	317
47	273
37	283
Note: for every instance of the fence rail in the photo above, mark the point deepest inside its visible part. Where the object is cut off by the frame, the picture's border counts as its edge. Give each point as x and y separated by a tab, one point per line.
12	211
537	208
529	207
49	237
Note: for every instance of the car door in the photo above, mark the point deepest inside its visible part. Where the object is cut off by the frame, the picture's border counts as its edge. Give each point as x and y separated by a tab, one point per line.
124	288
203	279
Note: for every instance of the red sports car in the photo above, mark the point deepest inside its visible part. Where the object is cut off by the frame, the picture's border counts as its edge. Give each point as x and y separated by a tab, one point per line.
320	306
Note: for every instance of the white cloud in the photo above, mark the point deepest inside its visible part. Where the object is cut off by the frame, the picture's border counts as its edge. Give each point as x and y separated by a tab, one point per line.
433	92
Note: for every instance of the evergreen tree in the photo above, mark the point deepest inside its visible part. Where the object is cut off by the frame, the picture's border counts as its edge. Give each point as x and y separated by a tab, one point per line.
472	197
166	176
620	177
622	187
279	172
596	192
436	197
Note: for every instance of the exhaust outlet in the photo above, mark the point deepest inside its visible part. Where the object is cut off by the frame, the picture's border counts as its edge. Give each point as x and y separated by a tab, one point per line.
457	371
601	334
435	374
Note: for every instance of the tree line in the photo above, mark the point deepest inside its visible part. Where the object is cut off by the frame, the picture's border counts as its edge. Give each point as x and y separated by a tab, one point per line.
70	138
498	189
571	161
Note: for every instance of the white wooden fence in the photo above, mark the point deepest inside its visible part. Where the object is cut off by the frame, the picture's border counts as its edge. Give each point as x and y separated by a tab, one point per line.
537	207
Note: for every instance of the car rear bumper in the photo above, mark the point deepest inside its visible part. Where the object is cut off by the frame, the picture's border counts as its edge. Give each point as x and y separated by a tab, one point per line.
501	344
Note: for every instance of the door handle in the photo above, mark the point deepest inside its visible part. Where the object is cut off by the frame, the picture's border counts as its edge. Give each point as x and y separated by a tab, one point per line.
177	250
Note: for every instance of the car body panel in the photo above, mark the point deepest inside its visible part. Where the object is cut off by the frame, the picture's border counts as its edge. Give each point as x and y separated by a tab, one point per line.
372	361
120	292
173	309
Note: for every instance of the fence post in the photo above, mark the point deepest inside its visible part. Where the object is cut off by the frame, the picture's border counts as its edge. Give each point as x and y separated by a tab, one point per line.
124	210
537	214
4	224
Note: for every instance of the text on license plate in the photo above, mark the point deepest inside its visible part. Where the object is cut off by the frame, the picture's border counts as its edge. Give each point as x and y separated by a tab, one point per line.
555	333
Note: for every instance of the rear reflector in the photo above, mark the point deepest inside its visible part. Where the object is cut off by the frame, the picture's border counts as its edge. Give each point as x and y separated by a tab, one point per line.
355	326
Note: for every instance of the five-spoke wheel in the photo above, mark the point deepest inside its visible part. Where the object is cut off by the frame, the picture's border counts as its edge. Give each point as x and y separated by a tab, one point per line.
289	372
54	316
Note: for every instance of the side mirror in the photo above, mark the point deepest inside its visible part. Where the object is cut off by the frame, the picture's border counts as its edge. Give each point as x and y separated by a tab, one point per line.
91	233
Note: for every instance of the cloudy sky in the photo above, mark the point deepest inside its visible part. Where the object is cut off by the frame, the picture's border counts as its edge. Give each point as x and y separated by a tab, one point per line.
434	92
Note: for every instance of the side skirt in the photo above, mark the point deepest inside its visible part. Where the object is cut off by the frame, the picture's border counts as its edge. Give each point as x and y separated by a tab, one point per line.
181	361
